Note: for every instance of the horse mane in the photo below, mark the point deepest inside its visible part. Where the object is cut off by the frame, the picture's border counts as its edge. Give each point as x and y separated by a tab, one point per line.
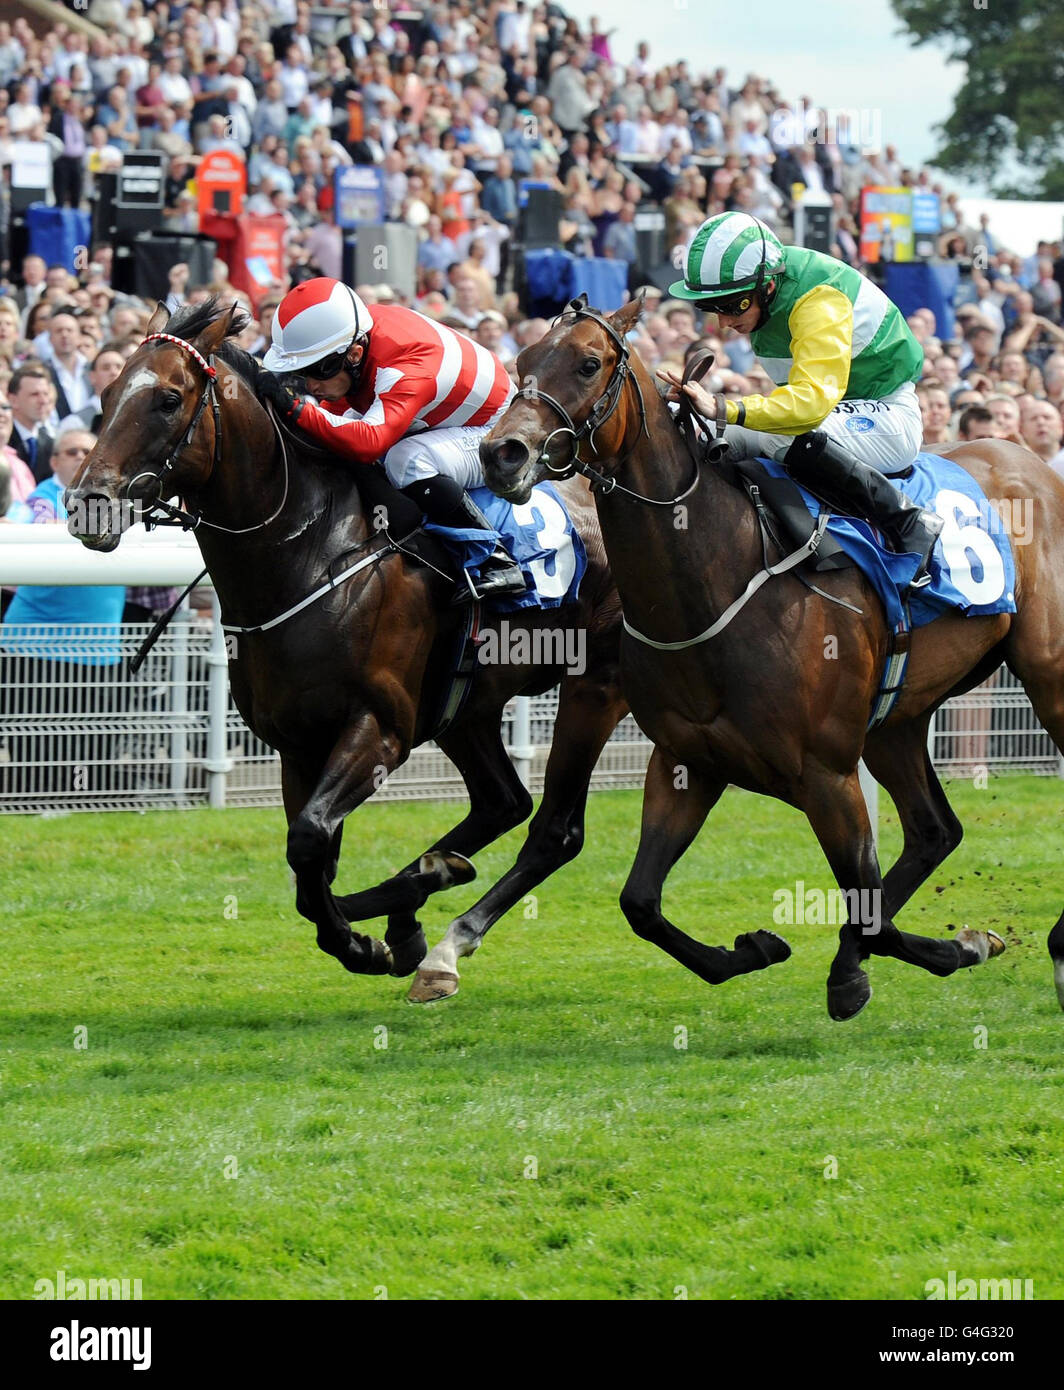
191	320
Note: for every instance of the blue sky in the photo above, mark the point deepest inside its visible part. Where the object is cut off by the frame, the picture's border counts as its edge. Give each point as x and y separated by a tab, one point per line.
838	53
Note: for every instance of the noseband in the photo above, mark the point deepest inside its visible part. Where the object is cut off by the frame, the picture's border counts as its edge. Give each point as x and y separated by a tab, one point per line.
600	412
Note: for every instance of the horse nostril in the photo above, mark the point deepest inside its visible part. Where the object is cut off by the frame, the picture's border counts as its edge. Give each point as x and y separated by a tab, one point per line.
508	455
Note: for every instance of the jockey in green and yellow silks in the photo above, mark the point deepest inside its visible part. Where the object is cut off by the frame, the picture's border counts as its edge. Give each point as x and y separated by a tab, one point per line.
844	414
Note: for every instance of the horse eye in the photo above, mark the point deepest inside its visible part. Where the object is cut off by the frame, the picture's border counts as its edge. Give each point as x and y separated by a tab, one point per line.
589	366
169	401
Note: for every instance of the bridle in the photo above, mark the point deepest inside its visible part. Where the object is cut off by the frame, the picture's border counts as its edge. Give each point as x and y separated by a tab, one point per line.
160	513
603	409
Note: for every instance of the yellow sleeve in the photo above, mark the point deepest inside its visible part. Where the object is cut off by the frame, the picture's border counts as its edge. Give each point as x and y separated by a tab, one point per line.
821	327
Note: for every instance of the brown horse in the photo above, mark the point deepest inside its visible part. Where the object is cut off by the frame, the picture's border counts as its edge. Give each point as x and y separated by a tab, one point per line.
345	685
760	703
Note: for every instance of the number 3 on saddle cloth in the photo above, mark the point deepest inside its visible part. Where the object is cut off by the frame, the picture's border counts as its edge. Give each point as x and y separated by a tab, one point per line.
540	536
972	568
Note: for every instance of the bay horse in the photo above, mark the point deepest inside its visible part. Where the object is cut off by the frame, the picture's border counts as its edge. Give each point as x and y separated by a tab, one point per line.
760	704
347	684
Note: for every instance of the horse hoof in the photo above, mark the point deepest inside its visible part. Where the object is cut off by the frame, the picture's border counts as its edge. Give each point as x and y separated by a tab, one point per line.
430	985
985	944
848	999
449	867
771	949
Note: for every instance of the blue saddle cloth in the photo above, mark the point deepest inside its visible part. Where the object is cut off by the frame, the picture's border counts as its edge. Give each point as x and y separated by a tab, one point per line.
540	536
972	569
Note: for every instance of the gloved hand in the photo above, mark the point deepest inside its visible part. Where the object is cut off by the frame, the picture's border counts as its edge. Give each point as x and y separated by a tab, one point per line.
271	388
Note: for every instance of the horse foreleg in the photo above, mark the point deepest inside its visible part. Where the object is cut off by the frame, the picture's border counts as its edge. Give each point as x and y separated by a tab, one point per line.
588	712
898	759
349	776
497	802
672	817
837	812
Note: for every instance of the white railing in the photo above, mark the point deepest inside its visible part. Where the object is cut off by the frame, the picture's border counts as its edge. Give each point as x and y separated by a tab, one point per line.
76	736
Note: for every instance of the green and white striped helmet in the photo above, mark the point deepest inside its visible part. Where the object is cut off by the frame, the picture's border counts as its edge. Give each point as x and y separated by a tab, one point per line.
726	257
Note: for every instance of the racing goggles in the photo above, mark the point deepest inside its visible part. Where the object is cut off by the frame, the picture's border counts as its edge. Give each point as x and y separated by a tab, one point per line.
329	366
732	305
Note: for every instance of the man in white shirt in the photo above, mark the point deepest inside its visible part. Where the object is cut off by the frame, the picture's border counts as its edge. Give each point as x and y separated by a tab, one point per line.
69	368
677	129
23	113
486	136
752	141
173	83
106	367
514	27
295	84
648	133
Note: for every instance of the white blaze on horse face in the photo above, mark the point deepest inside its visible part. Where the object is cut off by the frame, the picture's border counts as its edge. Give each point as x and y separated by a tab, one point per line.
141	380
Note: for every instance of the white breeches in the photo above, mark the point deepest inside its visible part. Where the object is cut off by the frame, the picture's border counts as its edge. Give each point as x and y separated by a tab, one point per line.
885	434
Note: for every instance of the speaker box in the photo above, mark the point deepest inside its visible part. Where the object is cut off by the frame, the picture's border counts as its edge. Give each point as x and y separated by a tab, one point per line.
139	190
103	207
143	263
650	236
385	253
540	217
663	275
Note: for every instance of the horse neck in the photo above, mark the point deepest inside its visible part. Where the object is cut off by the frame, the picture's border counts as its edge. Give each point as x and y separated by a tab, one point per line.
255	471
697	548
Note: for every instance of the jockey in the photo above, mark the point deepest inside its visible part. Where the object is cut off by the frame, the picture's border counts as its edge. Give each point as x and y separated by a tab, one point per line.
844	416
394	386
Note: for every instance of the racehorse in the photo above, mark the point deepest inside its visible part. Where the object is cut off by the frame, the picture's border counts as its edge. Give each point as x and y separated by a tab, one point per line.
767	701
343	685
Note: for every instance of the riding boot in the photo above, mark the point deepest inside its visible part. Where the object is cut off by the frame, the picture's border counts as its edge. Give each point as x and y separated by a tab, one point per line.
857	489
445	502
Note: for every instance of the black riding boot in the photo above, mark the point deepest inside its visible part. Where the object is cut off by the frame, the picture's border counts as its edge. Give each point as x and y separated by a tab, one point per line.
446	502
858	489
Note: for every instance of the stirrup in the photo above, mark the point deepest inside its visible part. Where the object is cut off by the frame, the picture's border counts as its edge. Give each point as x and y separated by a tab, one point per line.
513	583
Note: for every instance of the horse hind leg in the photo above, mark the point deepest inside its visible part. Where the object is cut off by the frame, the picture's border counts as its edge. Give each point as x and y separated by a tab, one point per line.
671	820
897	757
1042	675
837	812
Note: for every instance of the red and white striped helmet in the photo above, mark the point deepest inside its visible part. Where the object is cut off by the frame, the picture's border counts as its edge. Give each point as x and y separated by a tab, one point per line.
315	319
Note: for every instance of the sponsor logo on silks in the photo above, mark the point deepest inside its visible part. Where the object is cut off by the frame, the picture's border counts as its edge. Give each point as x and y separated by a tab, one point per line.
860	424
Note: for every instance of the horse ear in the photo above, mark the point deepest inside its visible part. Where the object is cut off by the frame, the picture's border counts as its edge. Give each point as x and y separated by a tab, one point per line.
212	337
578	304
628	315
159	319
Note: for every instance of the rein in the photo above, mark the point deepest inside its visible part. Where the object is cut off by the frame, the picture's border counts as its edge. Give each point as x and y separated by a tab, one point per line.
177	516
603	408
